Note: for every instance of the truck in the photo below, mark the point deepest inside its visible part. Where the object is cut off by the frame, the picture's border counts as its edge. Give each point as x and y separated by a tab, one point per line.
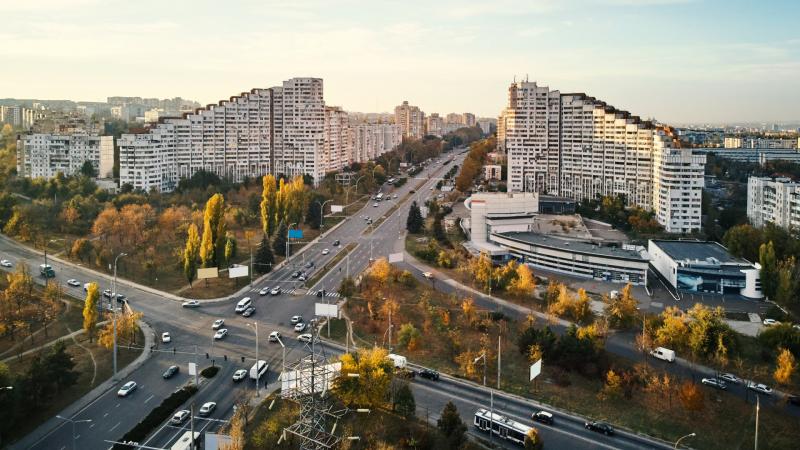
46	270
185	441
259	369
401	366
379	197
663	354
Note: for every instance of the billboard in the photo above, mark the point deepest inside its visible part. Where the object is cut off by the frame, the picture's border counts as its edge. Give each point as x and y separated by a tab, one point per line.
536	369
210	272
323	310
292	380
296	234
238	271
396	257
336	208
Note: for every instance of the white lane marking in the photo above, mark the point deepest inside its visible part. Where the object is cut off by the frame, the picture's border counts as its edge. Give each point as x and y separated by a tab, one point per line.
149	398
105	415
91	425
78	436
115	426
117	406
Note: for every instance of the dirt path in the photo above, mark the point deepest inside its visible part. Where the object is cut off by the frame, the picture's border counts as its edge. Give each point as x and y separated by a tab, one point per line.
91	355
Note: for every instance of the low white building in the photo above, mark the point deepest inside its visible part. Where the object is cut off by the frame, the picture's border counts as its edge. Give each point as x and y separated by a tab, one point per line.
45	155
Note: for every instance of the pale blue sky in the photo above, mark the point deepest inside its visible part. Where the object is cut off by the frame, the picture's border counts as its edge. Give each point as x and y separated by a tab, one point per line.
676	60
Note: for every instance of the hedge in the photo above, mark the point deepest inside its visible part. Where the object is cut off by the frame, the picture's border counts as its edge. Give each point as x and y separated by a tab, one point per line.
161	413
209	372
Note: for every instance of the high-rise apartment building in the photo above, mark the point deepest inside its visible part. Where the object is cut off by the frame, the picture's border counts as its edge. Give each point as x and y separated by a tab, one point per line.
759	142
435	125
454	118
579	147
45	155
468	119
278	130
411	120
371	140
775	200
337	152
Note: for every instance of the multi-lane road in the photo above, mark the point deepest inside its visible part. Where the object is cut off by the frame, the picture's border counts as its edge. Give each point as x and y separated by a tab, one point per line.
191	332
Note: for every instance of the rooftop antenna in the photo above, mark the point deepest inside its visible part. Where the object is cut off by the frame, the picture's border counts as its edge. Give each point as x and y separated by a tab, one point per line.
515	78
526	77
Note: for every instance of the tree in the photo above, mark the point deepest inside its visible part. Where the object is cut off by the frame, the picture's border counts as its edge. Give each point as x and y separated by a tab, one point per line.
127	325
444	260
612	386
264	257
374	370
785	367
314	211
191	254
414	222
87	169
90	310
622	308
236	430
269	204
788	283
404	403
381	271
408	336
348	287
769	269
451	426
230	249
212	248
49	305
82	249
533	441
524	284
279	241
691	396
674	329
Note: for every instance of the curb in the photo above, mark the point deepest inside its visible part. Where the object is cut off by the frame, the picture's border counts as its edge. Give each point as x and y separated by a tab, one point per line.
43	430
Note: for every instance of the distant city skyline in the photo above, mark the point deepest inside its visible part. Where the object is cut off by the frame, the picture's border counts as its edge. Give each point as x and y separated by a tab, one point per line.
679	61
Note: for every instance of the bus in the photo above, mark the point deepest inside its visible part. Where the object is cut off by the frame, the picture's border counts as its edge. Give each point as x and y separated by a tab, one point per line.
46	270
502	426
259	369
184	442
379	197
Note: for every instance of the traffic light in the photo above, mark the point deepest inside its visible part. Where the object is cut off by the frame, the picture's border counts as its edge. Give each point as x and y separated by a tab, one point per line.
206	355
225	356
243	359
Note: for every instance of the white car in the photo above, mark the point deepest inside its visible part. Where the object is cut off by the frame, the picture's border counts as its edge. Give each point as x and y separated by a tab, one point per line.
207	408
126	389
770	322
239	375
165	338
374	205
394	196
5	263
218	324
300	327
107	293
302	277
264	291
180	417
274	336
762	388
296	319
326	251
715	383
275	291
73	282
305	337
191	304
221	333
730	378
427	275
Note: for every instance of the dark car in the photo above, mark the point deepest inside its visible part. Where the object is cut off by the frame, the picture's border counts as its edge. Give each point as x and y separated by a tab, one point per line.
543	417
794	400
171	371
336	243
429	374
309	264
600	427
295	274
249	312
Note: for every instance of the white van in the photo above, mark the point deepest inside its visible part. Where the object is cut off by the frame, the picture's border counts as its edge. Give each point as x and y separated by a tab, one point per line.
664	354
243	304
259	369
399	361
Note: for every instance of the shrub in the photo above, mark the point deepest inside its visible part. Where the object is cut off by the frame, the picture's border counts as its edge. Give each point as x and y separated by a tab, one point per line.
209	372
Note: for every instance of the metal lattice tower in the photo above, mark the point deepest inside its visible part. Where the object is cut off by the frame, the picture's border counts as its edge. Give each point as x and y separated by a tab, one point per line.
313	375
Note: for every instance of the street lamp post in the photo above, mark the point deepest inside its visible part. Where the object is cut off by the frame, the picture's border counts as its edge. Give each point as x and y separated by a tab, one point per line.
322	213
690	435
283	348
114	310
287	240
491	392
73	427
255	326
347	192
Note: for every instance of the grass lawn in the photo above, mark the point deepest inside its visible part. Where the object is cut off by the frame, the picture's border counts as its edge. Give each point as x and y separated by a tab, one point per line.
90	377
446	331
70	318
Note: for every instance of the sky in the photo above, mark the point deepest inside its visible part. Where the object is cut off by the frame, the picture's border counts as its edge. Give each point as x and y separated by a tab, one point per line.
678	61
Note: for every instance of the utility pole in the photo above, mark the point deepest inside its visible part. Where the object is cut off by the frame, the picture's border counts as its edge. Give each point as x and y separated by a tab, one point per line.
254	325
498	362
758	407
196	369
114	310
191	424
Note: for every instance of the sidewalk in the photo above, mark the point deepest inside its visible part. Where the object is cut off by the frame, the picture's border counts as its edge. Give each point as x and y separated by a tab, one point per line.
51	425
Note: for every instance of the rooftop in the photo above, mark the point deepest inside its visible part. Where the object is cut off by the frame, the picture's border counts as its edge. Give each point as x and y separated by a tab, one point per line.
691	251
574	246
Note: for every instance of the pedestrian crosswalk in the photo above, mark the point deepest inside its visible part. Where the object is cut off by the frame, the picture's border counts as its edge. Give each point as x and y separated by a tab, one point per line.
333	294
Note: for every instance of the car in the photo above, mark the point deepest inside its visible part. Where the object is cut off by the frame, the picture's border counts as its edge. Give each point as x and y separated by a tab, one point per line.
295	274
305	337
309	264
543	417
107	293
207	408
5	263
300	327
221	333
126	389
239	375
770	322
366	218
120	298
191	304
296	319
429	374
73	282
274	336
427	275
336	243
302	277
369	221
166	338
760	388
730	378
374	205
249	312
325	251
600	427
171	370
715	383
218	324
394	196
242	305
275	291
180	417
264	291
793	399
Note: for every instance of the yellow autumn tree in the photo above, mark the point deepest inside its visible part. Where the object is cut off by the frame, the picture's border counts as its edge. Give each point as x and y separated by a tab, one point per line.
90	313
612	386
785	367
381	271
374	371
269	193
212	246
674	329
621	309
127	327
524	284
